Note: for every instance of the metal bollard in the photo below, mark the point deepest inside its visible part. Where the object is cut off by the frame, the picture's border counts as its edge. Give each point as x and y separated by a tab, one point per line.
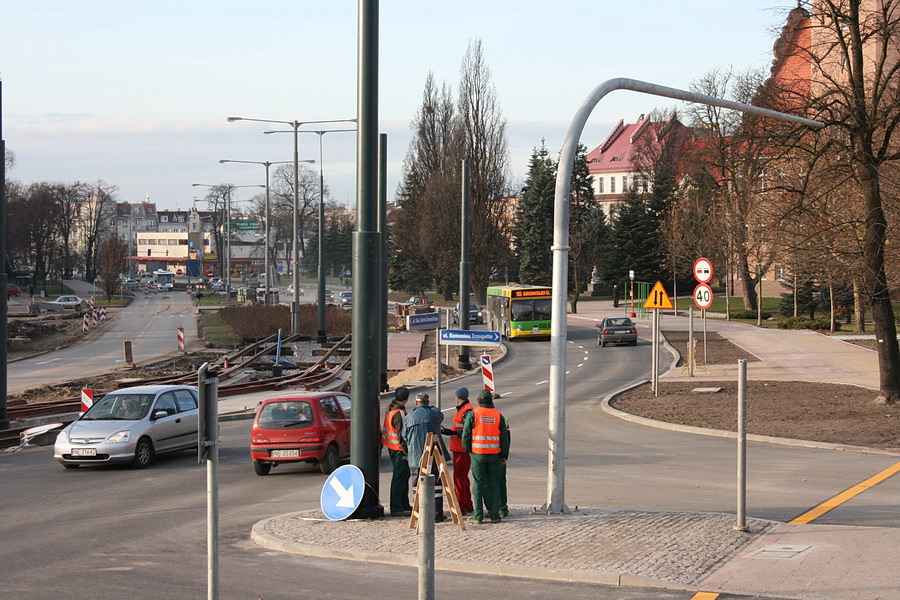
426	537
741	524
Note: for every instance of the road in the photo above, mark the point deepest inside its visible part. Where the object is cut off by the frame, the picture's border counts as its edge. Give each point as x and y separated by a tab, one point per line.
107	532
150	323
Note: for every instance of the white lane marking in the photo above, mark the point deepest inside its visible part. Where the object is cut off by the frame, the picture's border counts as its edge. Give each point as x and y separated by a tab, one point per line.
580	365
44	362
541	382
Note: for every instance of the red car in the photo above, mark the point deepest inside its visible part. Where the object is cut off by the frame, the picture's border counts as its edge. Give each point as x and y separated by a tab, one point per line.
310	427
12	290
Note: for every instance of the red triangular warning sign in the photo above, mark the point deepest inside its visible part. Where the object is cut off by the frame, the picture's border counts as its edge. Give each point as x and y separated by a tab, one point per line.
658	298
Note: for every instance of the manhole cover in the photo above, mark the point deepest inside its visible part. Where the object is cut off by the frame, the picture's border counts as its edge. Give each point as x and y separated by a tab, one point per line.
782	551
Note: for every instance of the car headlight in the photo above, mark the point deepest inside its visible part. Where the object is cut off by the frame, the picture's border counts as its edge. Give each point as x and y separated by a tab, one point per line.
120	437
63	437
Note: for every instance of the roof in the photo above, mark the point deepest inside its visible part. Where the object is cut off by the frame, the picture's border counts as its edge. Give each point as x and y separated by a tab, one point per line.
618	152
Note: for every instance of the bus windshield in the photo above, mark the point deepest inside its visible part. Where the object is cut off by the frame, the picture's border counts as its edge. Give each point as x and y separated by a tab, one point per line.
538	309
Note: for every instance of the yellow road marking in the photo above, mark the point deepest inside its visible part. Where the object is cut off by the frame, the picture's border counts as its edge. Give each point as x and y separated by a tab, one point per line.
857	489
705	596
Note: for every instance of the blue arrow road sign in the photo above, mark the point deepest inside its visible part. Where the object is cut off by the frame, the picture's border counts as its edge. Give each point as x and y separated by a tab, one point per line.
423	321
465	337
342	492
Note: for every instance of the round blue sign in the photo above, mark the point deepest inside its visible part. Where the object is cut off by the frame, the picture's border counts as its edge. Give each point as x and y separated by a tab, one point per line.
342	492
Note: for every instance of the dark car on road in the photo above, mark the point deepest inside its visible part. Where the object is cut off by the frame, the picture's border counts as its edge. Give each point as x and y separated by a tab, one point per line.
476	314
616	330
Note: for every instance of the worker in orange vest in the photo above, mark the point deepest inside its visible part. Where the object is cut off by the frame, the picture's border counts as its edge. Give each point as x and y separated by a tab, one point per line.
461	460
486	437
390	437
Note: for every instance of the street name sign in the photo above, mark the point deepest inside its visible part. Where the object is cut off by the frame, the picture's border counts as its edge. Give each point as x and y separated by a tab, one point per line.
658	298
423	321
465	337
342	492
703	296
703	271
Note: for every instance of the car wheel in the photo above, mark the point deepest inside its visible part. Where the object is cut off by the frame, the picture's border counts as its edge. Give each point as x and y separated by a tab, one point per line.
600	343
143	453
329	462
262	468
634	343
70	466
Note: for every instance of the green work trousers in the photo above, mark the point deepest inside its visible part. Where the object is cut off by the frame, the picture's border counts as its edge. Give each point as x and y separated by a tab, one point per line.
399	482
486	490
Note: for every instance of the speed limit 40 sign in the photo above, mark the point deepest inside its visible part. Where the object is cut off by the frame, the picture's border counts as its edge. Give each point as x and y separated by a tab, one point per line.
703	296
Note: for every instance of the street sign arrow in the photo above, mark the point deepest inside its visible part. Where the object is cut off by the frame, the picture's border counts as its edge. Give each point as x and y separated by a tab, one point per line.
658	298
466	337
342	492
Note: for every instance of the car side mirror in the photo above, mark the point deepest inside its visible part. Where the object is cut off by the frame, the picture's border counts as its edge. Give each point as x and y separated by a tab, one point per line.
160	414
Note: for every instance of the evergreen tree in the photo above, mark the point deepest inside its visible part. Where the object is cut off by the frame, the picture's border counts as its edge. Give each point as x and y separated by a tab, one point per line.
534	232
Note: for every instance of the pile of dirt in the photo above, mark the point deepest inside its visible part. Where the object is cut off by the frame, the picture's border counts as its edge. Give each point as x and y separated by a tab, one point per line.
30	335
424	370
839	414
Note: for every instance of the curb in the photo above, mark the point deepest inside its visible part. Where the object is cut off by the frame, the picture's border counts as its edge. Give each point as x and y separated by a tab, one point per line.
259	536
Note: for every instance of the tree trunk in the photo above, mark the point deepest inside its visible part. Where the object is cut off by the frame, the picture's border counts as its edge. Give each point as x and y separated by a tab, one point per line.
748	284
859	311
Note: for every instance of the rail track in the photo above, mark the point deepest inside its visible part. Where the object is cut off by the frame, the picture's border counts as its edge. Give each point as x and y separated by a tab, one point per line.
313	377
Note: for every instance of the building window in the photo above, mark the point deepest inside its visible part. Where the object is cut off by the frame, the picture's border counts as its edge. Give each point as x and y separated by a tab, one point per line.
612	185
163	218
624	183
600	185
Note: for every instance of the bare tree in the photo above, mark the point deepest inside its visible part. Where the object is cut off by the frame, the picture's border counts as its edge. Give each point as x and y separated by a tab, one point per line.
281	193
96	218
112	263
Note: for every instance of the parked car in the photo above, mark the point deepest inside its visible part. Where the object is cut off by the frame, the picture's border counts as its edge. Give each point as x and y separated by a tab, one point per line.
476	314
345	299
65	303
420	301
616	330
12	290
131	425
310	427
290	290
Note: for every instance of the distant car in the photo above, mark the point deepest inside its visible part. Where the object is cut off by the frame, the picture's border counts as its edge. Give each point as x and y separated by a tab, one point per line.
476	314
345	299
131	425
290	290
311	427
12	290
66	303
616	330
420	301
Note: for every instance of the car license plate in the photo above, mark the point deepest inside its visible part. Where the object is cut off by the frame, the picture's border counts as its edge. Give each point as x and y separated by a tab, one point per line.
285	453
84	452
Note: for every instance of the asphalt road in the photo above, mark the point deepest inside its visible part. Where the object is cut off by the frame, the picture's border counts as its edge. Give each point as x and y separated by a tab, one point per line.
108	532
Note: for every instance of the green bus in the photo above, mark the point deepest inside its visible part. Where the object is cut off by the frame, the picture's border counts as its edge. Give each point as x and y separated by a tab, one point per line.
521	311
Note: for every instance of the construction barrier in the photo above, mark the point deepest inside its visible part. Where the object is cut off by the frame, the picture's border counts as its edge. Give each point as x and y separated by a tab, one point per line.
86	324
181	338
487	372
87	399
95	319
102	314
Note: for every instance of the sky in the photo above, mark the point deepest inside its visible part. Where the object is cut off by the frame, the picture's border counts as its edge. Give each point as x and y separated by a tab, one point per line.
137	94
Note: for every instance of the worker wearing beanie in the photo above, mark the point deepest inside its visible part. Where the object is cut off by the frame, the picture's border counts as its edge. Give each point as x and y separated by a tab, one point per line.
390	437
486	438
461	460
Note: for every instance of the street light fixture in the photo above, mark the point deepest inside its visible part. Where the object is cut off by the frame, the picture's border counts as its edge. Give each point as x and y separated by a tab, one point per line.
227	225
266	164
295	255
321	334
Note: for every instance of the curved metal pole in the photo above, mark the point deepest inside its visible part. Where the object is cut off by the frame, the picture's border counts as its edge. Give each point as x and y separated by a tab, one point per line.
557	426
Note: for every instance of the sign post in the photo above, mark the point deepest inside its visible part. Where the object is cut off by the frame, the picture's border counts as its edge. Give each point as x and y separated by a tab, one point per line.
703	294
657	300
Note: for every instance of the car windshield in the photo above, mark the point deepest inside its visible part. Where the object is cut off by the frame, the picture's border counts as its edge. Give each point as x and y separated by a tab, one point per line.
296	414
538	309
119	407
620	322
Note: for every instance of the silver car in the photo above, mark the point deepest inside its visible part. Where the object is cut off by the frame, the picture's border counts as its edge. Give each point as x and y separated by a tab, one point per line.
131	425
617	330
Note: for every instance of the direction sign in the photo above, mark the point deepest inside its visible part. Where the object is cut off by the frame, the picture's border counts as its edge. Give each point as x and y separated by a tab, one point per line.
658	298
423	321
465	337
703	296
703	271
342	492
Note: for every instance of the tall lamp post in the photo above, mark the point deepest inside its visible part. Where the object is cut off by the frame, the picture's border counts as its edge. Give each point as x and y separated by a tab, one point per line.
266	164
227	227
295	254
321	334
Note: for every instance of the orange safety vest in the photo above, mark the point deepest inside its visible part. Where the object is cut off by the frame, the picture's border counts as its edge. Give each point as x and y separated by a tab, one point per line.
456	444
486	431
390	437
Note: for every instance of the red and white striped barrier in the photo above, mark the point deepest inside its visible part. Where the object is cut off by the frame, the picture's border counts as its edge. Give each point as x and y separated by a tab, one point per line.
86	324
181	338
91	302
87	399
95	320
102	314
487	372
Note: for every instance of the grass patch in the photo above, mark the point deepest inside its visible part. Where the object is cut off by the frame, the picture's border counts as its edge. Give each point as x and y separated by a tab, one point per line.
217	332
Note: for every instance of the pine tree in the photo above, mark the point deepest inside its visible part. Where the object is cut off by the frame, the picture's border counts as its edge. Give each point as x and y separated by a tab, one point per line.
535	220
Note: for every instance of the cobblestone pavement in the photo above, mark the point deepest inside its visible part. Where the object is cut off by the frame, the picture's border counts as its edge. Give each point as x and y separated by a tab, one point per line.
663	548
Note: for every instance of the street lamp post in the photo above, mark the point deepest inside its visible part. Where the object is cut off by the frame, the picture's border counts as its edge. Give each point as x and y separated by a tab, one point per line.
227	229
295	255
266	164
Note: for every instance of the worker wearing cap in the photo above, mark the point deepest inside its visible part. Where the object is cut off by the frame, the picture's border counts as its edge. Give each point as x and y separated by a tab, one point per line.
421	421
390	437
486	437
461	460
